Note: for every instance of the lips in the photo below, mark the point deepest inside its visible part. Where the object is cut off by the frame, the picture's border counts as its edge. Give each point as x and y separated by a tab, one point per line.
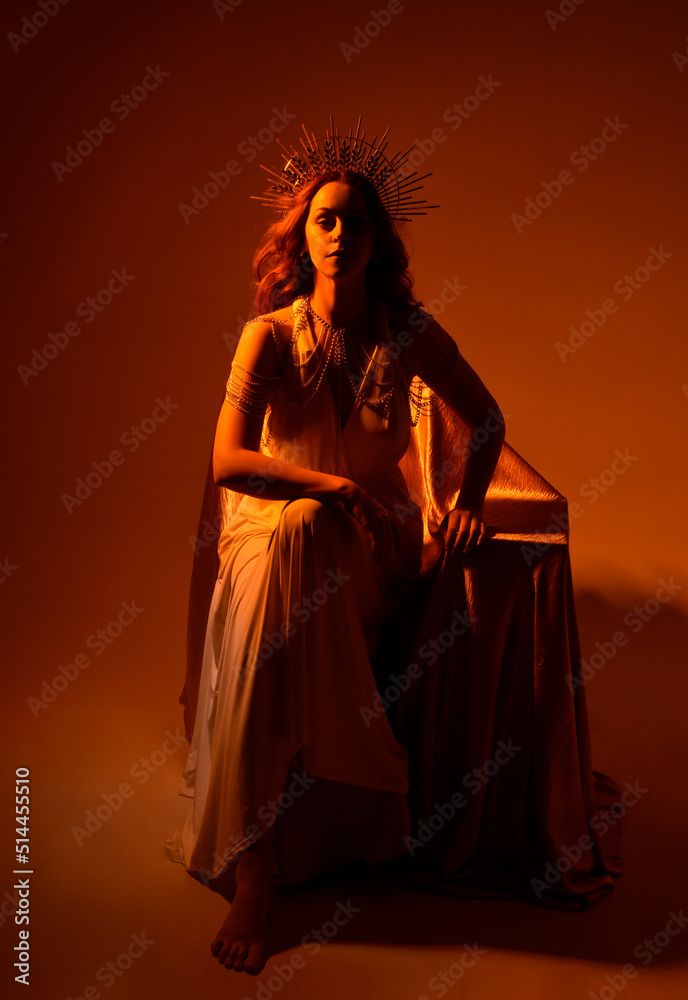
339	253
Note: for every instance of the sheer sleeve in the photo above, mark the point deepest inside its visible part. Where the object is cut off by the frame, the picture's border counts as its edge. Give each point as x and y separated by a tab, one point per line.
248	390
435	381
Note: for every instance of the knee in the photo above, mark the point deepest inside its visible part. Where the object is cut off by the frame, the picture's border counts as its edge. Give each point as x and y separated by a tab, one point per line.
308	514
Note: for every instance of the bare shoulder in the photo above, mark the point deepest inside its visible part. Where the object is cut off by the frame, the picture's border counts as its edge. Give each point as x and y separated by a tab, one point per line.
421	339
267	336
284	315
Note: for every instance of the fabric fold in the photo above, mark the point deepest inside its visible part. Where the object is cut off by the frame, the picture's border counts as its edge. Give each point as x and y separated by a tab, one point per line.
470	674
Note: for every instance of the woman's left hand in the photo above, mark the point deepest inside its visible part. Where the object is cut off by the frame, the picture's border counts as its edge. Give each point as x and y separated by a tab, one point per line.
462	530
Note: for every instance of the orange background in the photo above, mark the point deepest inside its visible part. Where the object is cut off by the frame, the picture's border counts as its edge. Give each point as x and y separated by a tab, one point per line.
168	334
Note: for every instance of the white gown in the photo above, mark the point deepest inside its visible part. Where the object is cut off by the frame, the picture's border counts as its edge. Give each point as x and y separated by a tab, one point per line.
286	677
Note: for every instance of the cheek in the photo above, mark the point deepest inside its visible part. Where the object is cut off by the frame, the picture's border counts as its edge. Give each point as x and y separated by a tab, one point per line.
315	239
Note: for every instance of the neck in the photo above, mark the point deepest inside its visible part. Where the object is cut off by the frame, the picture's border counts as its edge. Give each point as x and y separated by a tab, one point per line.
338	302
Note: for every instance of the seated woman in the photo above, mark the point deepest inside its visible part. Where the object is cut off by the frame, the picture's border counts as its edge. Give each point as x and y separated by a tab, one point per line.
293	767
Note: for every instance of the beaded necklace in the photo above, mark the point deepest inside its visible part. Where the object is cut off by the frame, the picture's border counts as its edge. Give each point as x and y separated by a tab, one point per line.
350	360
336	348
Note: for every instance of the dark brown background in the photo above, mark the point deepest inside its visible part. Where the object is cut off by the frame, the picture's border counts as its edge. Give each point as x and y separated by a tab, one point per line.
169	334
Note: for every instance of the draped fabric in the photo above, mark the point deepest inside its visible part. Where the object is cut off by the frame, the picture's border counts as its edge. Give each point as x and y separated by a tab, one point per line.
469	761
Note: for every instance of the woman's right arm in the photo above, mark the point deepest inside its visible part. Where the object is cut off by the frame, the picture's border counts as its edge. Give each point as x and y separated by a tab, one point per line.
237	461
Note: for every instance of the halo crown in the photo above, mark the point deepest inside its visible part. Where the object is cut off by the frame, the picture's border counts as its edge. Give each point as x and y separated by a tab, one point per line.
354	152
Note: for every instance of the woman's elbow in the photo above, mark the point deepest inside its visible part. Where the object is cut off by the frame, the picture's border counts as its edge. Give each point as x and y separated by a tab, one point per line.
224	467
489	426
495	422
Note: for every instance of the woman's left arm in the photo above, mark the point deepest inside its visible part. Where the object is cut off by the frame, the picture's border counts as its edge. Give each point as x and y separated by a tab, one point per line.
435	358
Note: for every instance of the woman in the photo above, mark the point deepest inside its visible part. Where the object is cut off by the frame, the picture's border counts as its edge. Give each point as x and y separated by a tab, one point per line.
291	768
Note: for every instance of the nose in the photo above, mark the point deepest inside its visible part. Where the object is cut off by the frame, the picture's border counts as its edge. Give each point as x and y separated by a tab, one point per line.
340	232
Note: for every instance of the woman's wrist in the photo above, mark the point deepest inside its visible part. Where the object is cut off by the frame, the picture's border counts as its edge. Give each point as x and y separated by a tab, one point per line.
467	502
345	490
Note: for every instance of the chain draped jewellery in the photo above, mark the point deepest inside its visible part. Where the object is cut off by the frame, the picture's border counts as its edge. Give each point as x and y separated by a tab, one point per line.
339	352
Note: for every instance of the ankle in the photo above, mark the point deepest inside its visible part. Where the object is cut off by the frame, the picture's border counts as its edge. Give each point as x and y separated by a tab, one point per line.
254	865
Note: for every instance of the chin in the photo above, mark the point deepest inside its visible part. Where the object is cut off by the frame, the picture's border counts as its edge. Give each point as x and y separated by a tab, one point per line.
344	267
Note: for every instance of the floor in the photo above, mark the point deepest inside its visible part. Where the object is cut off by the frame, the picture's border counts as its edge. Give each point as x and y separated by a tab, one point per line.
112	917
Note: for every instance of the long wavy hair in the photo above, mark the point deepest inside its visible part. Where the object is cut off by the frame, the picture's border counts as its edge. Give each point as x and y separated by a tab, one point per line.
280	275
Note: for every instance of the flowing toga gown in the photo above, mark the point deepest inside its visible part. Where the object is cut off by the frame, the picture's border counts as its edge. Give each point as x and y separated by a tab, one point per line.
420	710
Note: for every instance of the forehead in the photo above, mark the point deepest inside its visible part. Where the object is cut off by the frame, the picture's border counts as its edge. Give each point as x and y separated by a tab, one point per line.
338	197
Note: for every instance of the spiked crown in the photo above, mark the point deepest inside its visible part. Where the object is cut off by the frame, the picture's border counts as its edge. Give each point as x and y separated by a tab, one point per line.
347	152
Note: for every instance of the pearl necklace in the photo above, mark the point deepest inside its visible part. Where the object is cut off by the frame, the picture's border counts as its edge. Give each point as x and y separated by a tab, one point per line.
344	349
339	345
340	330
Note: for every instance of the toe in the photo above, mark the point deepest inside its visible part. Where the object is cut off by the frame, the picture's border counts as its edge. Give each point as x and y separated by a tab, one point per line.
239	958
225	951
254	959
231	956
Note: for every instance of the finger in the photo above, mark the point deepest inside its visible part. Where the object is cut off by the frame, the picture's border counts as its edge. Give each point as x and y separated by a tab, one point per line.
461	536
467	536
450	529
473	535
460	542
450	537
455	546
372	528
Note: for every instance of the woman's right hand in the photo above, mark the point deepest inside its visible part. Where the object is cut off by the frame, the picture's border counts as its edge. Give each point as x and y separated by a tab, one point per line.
375	518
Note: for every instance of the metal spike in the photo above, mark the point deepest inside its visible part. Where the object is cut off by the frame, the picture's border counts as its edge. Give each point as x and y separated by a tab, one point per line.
352	151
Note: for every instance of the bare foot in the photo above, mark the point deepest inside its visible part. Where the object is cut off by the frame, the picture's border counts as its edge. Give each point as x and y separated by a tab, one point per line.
240	942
